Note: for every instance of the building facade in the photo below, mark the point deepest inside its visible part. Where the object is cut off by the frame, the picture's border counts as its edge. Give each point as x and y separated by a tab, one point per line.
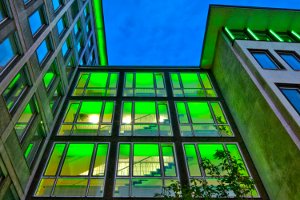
73	130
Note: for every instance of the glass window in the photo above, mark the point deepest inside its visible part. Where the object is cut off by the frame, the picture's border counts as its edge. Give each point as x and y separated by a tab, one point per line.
86	11
263	35
43	50
57	4
81	173
144	84
240	34
97	84
138	121
31	149
70	67
65	49
77	28
292	59
3	11
265	60
143	169
56	98
74	9
26	119
192	84
286	37
16	89
88	27
80	45
88	118
293	96
9	51
50	76
36	21
61	25
202	119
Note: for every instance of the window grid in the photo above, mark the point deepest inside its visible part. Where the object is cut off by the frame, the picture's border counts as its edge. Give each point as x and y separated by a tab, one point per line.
114	139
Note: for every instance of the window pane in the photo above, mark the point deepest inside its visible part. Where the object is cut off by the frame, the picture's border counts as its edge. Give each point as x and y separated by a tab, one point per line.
90	112
65	47
200	112
108	112
54	160
70	187
143	115
192	160
72	110
56	4
42	51
25	119
123	160
77	161
293	95
45	187
15	89
168	159
35	21
7	52
291	59
3	14
61	25
100	160
265	60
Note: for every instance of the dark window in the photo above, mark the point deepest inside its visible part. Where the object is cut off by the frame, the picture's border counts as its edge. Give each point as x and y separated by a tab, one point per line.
291	58
36	21
74	9
9	51
15	90
265	60
55	99
293	95
262	35
43	50
286	37
88	27
240	35
77	28
79	45
3	11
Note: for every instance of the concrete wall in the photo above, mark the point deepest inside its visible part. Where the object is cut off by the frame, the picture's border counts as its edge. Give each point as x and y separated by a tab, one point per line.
267	137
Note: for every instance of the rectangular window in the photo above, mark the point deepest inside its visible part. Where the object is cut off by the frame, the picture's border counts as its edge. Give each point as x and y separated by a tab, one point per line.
3	11
26	119
88	27
66	47
9	51
138	121
143	169
293	96
84	118
192	84
286	37
80	45
203	118
16	90
144	84
77	28
57	4
36	21
240	34
61	25
43	50
97	84
34	143
86	11
291	58
263	35
81	173
265	59
74	9
50	76
55	99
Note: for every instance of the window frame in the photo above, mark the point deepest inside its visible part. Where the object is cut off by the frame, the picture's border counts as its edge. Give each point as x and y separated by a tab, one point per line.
65	26
42	15
291	53
49	46
289	87
269	55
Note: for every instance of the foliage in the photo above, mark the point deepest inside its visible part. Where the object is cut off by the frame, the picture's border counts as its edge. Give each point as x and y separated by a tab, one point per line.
229	179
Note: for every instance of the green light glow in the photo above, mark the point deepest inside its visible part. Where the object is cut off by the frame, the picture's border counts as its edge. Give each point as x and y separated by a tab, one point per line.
296	34
229	33
252	34
97	5
276	36
28	150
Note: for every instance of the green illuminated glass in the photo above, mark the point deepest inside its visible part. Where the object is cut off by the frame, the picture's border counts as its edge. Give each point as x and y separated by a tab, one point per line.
50	76
55	99
202	119
138	121
152	166
88	118
144	84
192	84
97	84
75	169
15	90
192	160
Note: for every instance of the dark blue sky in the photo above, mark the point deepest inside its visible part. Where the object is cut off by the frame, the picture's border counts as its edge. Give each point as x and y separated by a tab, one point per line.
163	32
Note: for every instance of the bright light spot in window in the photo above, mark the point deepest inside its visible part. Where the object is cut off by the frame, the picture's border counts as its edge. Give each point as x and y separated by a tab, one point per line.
127	120
94	119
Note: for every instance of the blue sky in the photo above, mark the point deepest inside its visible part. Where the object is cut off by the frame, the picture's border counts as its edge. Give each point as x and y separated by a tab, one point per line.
163	32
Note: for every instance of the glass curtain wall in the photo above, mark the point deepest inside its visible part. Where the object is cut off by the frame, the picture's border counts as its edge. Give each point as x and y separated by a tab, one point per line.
131	132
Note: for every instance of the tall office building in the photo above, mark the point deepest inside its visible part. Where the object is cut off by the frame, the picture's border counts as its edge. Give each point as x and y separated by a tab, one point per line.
70	129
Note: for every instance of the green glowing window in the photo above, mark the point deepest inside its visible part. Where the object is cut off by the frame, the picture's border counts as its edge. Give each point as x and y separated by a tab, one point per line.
88	118
286	37
81	172
55	98
194	153
32	145
263	35
26	119
145	118
240	34
16	90
202	119
143	169
50	76
97	84
144	84
192	84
